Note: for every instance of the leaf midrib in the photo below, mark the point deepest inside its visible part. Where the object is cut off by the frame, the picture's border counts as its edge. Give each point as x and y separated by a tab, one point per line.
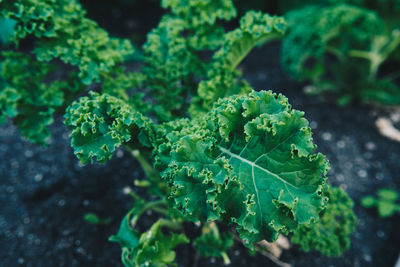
233	155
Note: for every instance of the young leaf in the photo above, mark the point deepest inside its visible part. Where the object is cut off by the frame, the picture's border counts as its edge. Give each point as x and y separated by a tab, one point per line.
100	123
331	235
153	248
222	79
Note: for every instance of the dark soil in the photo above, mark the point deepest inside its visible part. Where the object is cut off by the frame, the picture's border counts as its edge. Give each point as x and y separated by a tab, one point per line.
45	192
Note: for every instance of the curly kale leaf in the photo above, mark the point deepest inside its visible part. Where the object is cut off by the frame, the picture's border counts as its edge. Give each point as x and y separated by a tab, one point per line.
331	235
29	97
200	12
222	79
62	31
255	28
100	123
340	49
313	31
249	162
8	103
169	66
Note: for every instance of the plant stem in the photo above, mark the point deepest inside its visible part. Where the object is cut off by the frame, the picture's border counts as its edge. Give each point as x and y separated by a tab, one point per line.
147	168
382	47
174	225
153	205
226	258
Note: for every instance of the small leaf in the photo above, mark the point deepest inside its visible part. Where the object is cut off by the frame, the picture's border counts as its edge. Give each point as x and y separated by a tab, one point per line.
388	194
368	201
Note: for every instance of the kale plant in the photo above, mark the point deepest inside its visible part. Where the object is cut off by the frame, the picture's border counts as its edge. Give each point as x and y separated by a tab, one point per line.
240	163
341	48
387	202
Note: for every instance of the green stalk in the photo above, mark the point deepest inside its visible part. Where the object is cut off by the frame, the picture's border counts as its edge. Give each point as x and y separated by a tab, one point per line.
215	231
382	47
153	205
174	225
147	168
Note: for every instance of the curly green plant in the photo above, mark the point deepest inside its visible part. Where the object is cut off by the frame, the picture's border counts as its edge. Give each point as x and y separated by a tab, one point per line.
340	49
387	202
241	164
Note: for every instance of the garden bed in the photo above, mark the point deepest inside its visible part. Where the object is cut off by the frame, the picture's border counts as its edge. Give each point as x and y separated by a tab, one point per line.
44	196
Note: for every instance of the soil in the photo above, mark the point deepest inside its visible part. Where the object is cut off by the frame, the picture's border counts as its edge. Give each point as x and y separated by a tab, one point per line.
45	192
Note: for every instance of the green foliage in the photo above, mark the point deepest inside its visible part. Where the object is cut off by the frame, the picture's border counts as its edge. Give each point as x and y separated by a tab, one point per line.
63	32
34	87
151	248
212	244
173	62
28	98
331	235
101	123
6	30
243	159
222	79
92	218
249	162
387	202
357	41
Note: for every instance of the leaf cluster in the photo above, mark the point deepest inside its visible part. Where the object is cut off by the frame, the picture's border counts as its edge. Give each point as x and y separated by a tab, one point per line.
387	202
222	153
340	49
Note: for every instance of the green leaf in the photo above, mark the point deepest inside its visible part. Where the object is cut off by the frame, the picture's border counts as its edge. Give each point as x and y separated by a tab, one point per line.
200	12
92	218
388	194
126	236
222	78
385	202
386	209
255	28
153	248
63	31
331	235
100	123
250	162
8	103
213	244
368	201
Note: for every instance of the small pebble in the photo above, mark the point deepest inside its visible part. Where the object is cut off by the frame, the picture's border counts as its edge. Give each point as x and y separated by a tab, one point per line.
29	153
120	153
10	189
370	146
126	190
341	144
362	173
38	177
327	136
61	202
379	176
367	257
348	165
380	234
313	125
340	177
